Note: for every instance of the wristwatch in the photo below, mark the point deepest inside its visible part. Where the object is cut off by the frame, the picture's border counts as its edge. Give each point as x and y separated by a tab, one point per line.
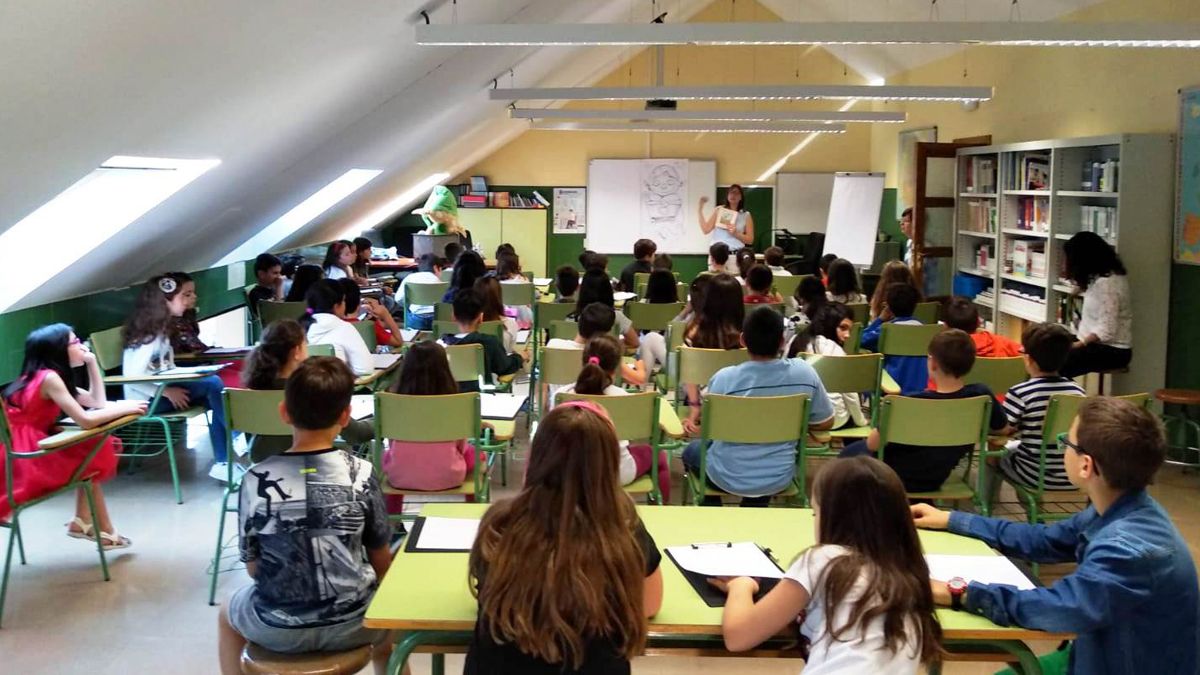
957	588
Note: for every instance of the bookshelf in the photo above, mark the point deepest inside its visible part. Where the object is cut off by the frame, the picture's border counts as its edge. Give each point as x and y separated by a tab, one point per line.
1021	202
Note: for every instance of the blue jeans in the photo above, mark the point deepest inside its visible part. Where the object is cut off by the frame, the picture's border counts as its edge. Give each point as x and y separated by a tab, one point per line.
204	392
856	449
691	460
419	321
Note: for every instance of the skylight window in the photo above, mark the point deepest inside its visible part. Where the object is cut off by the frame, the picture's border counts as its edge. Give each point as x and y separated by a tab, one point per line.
302	214
87	214
393	205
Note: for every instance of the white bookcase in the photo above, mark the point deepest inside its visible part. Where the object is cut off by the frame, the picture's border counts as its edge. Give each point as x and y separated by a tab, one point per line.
1024	221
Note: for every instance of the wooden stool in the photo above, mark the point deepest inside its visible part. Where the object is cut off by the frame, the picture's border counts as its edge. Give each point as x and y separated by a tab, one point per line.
1185	399
259	661
1105	373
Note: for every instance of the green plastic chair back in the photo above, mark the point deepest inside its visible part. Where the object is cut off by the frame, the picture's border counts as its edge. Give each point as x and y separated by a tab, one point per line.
545	312
427	419
754	419
366	328
850	373
648	316
635	416
563	330
443	311
466	362
447	274
426	293
320	350
999	374
697	366
639	287
927	312
493	328
906	340
515	294
786	285
255	412
860	312
561	366
270	312
934	422
675	333
854	342
108	347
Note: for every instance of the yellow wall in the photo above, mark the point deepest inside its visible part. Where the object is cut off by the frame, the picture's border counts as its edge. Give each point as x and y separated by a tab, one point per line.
1043	93
560	157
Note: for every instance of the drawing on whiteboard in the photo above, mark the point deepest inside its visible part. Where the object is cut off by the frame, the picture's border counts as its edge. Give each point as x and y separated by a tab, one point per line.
664	184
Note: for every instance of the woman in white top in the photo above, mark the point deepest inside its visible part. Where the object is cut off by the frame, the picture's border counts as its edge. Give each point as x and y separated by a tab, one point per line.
325	326
735	229
862	593
843	283
1104	331
826	335
338	258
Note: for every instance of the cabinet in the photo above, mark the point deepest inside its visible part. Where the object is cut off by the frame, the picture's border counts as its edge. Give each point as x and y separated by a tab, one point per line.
525	229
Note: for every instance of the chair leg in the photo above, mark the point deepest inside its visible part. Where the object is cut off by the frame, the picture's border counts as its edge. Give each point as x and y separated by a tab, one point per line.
91	500
12	534
20	539
171	458
504	464
216	564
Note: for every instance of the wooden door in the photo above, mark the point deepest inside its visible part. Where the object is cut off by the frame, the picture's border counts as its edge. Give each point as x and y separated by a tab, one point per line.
933	216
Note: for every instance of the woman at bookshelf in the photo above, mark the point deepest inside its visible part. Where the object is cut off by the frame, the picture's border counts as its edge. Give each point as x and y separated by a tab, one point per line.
1104	324
440	214
730	223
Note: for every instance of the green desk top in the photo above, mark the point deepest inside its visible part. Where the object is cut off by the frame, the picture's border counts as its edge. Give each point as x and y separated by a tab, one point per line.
429	591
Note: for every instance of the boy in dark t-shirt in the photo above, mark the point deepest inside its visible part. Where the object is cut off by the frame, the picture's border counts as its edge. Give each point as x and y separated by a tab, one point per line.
468	314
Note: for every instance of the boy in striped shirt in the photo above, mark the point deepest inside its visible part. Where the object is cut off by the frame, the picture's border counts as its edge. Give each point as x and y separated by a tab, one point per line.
1046	347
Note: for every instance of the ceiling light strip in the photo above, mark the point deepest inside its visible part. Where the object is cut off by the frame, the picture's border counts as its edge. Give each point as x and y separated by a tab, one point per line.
708	115
1178	35
697	127
782	92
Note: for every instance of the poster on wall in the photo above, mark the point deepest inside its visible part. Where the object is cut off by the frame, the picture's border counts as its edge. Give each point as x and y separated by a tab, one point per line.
1187	201
906	165
663	191
570	207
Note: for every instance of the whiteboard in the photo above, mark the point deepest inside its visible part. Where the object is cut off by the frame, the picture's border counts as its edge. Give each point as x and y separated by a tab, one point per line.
853	220
614	209
802	201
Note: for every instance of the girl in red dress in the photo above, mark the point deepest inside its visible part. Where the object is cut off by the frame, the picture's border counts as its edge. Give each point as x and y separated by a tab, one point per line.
33	403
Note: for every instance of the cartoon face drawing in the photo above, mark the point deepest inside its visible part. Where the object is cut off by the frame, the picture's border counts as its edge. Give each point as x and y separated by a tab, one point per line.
663	200
663	180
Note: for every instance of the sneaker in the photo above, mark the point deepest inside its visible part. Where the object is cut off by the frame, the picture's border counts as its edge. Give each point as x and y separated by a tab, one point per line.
241	445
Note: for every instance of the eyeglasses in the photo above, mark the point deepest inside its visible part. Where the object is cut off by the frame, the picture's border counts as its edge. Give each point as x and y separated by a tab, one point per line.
1063	444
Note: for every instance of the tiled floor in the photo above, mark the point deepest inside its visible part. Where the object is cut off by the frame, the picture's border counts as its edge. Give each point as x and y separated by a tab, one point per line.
153	616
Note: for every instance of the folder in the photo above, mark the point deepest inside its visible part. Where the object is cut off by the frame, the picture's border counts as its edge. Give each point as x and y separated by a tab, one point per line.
700	562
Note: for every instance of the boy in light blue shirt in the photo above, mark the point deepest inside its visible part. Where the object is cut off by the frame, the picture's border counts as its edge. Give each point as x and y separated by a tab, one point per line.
758	470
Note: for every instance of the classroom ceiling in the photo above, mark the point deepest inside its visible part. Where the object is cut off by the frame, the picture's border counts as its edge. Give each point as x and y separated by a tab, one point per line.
291	94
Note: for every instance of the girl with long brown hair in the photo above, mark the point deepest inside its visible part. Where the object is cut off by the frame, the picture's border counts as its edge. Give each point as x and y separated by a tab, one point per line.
895	272
565	572
717	324
493	310
862	592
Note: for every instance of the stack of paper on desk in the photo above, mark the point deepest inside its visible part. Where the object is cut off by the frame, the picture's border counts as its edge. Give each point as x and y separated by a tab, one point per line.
985	569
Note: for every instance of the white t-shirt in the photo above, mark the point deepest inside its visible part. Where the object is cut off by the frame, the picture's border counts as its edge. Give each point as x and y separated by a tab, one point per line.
628	466
856	652
847	406
1107	311
146	359
348	345
335	272
779	271
846	298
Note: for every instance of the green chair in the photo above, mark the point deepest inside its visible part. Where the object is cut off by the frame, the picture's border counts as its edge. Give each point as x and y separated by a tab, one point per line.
252	412
81	478
652	316
927	312
697	366
432	419
998	374
786	285
668	378
493	328
543	314
467	365
321	350
640	279
154	433
559	368
906	340
447	274
423	294
839	374
443	311
563	330
639	288
517	294
777	419
253	329
635	418
936	423
366	329
860	312
270	312
854	342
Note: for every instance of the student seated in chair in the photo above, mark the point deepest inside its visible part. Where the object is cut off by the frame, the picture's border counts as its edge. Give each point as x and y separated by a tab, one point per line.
268	273
1133	601
718	258
468	314
566	283
758	287
643	259
962	314
757	471
925	468
908	371
313	533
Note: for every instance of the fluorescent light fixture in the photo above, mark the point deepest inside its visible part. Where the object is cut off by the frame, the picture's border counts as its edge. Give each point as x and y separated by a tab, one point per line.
1180	35
301	214
709	115
388	209
766	175
694	127
877	82
781	92
87	214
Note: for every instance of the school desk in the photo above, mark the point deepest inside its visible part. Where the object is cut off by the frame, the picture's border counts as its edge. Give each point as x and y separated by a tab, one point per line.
426	595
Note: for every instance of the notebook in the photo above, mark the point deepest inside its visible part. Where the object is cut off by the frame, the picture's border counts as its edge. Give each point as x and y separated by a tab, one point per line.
384	361
362	406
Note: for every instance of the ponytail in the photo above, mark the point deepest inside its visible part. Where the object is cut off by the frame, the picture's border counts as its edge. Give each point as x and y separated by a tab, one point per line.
321	298
270	355
601	358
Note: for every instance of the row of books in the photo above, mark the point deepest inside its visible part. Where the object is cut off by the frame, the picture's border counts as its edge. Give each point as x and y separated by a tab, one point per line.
981	216
1025	258
1066	310
1027	171
1033	214
984	255
1100	176
980	175
1099	219
499	200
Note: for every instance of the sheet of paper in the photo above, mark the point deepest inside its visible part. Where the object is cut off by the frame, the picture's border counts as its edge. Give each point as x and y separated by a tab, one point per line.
192	370
384	361
217	351
522	336
622	296
740	559
541	281
409	334
447	533
986	569
500	406
362	406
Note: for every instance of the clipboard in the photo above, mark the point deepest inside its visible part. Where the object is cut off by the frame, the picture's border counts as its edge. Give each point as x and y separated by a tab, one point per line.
714	597
414	536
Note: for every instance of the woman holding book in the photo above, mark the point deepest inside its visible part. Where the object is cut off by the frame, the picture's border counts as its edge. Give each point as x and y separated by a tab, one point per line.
1104	328
730	223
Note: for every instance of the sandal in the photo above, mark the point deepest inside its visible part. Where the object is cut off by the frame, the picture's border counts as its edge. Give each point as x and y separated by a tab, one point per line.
110	541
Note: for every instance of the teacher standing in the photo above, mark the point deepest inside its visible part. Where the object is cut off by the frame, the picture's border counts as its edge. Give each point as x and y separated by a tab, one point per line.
737	233
1104	332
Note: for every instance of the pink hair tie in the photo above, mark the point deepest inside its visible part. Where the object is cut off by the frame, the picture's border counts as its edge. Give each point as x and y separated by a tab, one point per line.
308	310
594	360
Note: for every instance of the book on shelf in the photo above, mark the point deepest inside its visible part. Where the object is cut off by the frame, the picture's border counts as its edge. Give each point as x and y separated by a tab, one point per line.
1100	176
473	201
499	200
1101	220
1025	258
984	255
1027	170
980	175
981	216
1033	214
1037	173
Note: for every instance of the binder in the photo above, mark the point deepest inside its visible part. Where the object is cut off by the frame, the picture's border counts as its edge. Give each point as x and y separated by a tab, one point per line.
712	596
